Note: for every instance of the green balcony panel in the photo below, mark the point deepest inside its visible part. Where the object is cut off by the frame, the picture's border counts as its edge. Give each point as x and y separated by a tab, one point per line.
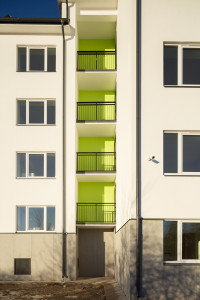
96	192
96	54
97	96
96	144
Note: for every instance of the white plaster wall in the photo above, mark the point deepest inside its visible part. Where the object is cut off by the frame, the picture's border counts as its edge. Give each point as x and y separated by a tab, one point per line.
167	108
71	124
28	138
126	112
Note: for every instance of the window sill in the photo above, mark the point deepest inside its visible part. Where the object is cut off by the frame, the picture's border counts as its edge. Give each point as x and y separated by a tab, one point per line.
36	231
184	262
35	177
38	124
183	85
183	174
36	71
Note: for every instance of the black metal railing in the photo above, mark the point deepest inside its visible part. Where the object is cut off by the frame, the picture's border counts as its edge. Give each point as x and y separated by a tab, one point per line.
96	212
96	161
96	111
96	60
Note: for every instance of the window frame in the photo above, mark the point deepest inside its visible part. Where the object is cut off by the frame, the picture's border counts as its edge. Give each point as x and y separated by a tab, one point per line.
35	47
27	164
180	171
27	218
180	48
180	243
45	101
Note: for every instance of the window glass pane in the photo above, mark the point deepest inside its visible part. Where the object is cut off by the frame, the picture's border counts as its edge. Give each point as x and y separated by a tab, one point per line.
36	164
21	112
50	164
21	59
191	241
170	241
191	153
36	218
50	218
170	65
36	60
36	112
191	66
51	59
170	152
21	165
51	112
21	218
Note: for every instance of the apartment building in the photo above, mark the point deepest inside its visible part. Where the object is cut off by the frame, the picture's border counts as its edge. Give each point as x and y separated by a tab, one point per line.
100	146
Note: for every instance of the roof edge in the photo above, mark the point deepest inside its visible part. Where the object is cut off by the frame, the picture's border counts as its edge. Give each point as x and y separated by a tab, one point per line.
50	21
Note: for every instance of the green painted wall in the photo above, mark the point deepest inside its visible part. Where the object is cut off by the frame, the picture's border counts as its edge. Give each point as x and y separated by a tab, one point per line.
96	192
96	45
97	96
96	144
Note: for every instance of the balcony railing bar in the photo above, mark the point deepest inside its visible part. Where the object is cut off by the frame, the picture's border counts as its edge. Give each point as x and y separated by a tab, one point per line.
96	212
95	60
96	162
96	111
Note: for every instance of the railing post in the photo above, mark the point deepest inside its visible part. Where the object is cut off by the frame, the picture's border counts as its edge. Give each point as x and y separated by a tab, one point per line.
96	213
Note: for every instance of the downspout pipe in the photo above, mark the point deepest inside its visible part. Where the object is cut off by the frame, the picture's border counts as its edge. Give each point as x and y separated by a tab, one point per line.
64	244
138	153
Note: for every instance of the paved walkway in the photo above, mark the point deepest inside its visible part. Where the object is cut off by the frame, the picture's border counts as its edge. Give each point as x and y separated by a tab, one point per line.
112	289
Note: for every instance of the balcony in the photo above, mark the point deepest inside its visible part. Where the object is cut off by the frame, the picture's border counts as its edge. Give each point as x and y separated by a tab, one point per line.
96	213
96	61
96	111
96	162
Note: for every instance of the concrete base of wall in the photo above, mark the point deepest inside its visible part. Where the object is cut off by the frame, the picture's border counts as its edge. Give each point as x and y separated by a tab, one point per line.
44	250
180	281
72	256
125	258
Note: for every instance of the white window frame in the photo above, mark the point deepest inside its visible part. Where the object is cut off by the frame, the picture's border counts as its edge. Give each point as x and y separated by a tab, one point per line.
179	243
28	48
180	153
27	218
27	165
180	62
27	111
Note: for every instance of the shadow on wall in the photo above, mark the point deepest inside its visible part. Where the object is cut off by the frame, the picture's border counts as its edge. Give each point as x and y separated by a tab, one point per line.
46	259
125	254
165	281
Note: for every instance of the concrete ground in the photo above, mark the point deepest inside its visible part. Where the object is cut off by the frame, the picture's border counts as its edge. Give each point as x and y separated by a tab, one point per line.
101	288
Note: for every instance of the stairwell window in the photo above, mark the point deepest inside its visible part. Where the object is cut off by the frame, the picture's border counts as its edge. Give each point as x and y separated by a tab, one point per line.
36	112
33	58
181	241
35	165
181	64
182	153
35	218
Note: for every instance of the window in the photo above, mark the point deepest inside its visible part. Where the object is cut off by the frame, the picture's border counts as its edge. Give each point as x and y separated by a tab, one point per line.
32	218
22	266
181	241
35	165
181	64
36	59
182	153
30	112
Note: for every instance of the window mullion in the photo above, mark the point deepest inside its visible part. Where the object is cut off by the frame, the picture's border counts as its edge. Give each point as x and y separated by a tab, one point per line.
45	164
45	218
27	59
45	112
27	164
180	65
27	112
179	241
27	217
180	153
45	59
